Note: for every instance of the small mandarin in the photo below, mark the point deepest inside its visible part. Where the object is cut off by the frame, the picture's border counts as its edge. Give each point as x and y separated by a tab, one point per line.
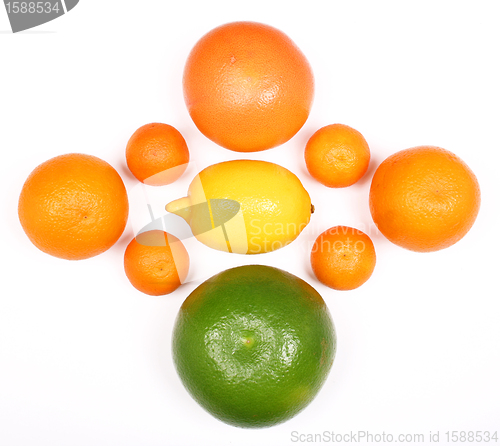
156	262
337	155
157	154
343	258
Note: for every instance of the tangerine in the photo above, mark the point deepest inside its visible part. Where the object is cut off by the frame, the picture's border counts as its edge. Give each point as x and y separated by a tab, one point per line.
343	258
156	262
157	154
337	155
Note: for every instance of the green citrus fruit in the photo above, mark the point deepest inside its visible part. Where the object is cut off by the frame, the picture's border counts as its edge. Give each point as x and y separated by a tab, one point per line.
253	345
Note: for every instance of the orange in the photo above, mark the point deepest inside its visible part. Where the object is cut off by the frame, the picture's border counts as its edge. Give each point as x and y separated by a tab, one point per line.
424	199
73	206
337	155
343	258
156	262
247	86
157	154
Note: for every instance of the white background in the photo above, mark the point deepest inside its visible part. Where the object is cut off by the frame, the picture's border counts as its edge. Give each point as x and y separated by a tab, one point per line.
85	358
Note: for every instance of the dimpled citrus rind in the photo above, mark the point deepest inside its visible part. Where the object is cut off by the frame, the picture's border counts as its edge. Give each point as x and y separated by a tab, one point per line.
424	199
253	345
73	206
247	86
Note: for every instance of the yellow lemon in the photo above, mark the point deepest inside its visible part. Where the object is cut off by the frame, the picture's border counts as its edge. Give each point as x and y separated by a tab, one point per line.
245	206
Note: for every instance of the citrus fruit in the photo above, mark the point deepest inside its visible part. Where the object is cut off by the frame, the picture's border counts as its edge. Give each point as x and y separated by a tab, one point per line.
247	86
337	155
245	206
156	262
73	206
424	199
253	345
343	258
157	154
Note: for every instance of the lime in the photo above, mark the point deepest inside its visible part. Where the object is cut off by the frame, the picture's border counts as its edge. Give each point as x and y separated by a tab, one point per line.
253	345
